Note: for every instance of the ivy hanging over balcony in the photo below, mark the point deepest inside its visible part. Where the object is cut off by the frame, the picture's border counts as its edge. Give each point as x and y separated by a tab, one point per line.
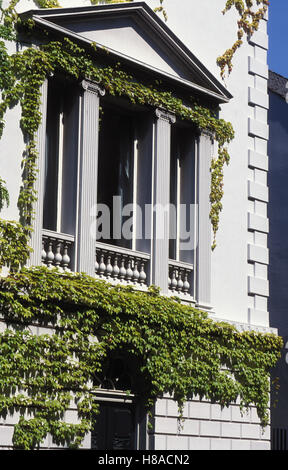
179	350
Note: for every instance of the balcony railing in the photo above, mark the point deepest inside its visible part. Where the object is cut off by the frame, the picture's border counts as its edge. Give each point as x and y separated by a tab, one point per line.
180	281
116	264
57	250
121	265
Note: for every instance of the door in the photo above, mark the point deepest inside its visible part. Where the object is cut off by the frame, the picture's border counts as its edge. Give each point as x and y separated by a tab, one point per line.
115	427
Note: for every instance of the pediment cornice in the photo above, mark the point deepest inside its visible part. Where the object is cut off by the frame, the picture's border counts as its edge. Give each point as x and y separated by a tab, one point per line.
195	79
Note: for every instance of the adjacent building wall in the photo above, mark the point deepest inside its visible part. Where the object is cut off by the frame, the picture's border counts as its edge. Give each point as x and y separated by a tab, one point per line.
278	268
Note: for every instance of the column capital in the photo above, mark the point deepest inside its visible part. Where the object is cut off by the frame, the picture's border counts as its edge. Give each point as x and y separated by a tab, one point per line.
165	116
93	87
206	133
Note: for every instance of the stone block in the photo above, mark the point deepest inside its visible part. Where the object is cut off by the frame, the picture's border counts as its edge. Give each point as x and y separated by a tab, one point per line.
210	428
220	444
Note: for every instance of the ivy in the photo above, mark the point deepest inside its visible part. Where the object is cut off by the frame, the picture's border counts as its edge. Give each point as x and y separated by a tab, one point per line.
47	3
248	23
179	350
14	246
4	195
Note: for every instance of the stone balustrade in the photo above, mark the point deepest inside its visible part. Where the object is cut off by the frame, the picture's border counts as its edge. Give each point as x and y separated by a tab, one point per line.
117	264
57	250
180	279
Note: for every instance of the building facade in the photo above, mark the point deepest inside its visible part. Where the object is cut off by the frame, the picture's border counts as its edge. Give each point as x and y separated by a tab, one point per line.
93	147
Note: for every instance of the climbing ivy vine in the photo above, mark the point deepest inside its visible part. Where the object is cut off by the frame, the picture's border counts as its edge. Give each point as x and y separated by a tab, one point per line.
248	23
178	349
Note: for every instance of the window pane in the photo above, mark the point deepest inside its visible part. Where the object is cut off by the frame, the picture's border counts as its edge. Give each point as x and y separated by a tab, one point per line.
182	195
115	168
60	187
70	159
51	158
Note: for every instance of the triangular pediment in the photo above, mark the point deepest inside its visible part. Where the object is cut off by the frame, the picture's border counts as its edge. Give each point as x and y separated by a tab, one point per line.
134	33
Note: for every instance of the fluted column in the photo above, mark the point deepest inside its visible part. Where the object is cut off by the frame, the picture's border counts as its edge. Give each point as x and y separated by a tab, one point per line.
37	222
161	199
88	176
203	271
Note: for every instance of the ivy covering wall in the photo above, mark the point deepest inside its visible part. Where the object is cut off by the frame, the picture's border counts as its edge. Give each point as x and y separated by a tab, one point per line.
178	349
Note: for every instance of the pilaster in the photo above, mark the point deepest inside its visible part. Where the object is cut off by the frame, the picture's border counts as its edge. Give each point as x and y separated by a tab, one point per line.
203	258
161	200
37	223
88	169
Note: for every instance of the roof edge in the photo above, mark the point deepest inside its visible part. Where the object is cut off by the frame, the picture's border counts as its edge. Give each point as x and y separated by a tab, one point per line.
220	91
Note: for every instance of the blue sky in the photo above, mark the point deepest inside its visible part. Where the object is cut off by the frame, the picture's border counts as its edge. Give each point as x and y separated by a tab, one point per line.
278	37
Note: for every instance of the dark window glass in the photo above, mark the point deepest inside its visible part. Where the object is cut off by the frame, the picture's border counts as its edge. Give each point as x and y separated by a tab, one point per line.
60	174
115	166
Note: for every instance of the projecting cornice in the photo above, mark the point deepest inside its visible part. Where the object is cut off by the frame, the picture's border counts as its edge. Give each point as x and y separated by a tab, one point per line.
133	34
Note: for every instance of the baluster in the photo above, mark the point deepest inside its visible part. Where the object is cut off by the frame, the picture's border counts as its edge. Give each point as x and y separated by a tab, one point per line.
129	272
173	280
109	267
96	263
136	273
186	285
66	257
50	254
122	272
116	268
58	256
43	253
142	274
179	282
102	266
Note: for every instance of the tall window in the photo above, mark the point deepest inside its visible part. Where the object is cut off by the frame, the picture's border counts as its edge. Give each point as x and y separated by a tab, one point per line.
60	191
124	175
182	195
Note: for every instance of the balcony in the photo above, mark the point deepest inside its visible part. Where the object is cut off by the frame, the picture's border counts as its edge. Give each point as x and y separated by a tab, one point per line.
181	279
117	265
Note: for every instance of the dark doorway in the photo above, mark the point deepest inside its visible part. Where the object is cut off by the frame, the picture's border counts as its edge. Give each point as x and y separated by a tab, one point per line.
115	427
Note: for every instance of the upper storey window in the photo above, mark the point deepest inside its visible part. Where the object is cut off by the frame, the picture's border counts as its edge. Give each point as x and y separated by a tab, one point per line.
124	176
129	159
61	155
182	194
